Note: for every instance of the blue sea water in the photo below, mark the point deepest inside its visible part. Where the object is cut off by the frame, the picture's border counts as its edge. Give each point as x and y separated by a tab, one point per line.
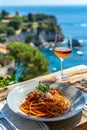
73	22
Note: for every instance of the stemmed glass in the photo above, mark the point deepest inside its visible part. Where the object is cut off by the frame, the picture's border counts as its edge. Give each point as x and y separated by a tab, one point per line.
62	50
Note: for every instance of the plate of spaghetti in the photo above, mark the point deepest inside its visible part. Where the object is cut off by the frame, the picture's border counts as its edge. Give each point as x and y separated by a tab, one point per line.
46	102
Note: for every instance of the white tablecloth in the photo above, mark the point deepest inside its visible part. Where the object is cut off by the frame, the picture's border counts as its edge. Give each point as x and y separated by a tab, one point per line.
20	122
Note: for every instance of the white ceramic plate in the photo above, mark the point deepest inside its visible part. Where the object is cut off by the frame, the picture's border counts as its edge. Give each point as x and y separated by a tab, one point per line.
73	95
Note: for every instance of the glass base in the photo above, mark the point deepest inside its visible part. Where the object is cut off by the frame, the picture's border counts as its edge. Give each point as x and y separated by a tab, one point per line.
62	77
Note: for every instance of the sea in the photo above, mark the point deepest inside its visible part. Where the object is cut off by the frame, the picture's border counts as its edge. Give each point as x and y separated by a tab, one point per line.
73	23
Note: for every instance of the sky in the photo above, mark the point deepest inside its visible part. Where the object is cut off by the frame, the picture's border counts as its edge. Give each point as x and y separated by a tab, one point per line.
42	2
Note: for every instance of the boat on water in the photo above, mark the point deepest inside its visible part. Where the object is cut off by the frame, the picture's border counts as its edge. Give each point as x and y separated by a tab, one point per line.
79	52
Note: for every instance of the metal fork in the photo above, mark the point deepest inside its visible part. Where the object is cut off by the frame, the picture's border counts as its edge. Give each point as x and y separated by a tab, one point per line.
2	115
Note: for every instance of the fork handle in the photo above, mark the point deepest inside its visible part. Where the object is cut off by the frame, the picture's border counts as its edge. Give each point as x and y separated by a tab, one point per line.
10	122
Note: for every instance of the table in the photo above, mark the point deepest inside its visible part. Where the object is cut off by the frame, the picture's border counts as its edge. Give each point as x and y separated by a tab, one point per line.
78	78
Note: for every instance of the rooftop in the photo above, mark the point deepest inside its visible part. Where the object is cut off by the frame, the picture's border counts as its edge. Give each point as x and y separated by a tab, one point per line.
3	49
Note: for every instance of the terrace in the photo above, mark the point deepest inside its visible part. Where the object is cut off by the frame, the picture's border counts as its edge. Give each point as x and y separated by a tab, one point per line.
76	121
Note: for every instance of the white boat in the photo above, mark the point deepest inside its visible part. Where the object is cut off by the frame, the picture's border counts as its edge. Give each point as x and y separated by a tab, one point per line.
79	52
51	49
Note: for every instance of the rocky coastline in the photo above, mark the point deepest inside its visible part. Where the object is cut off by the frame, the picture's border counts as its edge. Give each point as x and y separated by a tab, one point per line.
35	29
32	28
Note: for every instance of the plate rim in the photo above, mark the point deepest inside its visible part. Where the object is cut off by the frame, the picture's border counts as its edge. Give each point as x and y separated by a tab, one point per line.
43	119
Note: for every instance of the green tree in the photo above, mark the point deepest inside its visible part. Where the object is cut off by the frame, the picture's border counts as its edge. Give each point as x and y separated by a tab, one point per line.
24	29
29	58
24	19
40	28
40	17
15	22
4	14
30	38
50	27
30	17
2	28
30	25
0	16
10	31
2	39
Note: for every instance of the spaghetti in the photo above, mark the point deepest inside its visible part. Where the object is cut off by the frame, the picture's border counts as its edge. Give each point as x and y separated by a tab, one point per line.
46	105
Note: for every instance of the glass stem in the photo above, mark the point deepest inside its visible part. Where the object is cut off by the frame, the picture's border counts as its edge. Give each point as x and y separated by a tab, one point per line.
61	65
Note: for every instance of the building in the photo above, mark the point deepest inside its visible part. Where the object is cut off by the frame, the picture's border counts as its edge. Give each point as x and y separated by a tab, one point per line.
5	63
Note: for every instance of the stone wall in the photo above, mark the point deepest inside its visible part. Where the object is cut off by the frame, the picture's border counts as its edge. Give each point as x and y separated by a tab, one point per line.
4	69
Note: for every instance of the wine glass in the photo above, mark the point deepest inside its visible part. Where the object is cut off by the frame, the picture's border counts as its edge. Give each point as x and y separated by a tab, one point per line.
62	50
